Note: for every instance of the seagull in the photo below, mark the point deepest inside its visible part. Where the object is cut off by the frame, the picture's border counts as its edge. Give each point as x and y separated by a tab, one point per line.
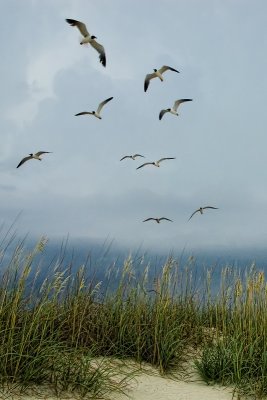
156	163
173	110
35	156
157	219
132	157
89	39
97	112
157	74
200	209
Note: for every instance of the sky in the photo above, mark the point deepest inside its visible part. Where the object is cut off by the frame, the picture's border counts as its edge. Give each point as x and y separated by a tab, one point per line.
219	140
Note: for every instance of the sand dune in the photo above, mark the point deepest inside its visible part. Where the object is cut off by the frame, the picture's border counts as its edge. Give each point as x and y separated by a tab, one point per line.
155	387
150	385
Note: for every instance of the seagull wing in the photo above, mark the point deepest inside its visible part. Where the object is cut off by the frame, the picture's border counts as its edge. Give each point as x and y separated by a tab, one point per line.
101	105
166	158
100	49
80	25
84	113
147	163
165	68
178	102
138	155
24	160
42	152
167	219
214	208
147	80
194	213
149	219
162	113
123	158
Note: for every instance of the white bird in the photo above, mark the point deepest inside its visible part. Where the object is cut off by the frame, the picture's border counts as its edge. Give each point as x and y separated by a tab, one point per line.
97	112
173	110
133	157
157	74
156	163
89	39
31	156
157	219
200	209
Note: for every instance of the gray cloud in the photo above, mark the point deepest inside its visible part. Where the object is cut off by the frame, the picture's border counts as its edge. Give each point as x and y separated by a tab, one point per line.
218	140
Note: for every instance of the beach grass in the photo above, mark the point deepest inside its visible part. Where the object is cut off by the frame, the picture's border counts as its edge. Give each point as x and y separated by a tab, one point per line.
67	330
236	352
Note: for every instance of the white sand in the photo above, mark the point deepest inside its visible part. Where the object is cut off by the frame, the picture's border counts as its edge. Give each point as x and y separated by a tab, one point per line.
152	386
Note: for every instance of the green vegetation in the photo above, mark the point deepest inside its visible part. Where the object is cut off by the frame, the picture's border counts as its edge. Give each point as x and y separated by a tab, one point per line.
69	333
236	353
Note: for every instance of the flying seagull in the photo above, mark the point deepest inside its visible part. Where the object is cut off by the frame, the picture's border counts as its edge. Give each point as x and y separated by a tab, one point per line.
156	163
200	209
157	219
157	74
89	39
97	112
173	110
35	156
133	157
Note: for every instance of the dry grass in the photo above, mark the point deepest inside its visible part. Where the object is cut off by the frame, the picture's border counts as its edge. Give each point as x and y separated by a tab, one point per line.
52	333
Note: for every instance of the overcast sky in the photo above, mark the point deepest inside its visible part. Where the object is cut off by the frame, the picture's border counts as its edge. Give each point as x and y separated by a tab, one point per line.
219	139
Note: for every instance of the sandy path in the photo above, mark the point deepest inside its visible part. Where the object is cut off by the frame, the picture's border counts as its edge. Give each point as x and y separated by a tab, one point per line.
151	387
